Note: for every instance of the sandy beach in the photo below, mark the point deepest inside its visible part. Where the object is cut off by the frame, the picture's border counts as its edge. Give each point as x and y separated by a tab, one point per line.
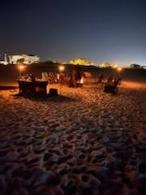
82	142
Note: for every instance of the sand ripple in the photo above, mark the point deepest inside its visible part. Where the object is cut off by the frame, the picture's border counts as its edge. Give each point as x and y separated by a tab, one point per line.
87	143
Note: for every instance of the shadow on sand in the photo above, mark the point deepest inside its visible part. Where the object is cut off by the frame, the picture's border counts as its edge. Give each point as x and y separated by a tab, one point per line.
46	98
8	87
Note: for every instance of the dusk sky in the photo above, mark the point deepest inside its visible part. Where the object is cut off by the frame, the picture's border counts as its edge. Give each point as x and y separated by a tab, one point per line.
101	30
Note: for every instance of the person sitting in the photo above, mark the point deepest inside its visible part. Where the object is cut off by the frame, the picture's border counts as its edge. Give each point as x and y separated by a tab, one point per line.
32	77
112	85
117	81
110	79
100	78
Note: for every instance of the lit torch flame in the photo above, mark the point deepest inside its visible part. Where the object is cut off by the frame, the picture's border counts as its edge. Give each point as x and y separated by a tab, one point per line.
82	80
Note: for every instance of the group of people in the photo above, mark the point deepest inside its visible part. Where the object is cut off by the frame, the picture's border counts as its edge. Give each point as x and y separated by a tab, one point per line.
27	77
112	80
75	78
109	84
72	78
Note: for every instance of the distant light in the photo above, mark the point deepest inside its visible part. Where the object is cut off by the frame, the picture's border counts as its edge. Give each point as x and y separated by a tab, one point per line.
61	68
115	66
21	67
119	69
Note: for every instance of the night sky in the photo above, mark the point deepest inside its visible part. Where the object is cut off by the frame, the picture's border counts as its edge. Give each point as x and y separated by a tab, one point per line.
102	30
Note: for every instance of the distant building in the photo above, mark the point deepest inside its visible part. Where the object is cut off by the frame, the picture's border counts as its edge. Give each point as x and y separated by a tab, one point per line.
136	66
15	59
80	61
24	58
144	67
5	60
105	65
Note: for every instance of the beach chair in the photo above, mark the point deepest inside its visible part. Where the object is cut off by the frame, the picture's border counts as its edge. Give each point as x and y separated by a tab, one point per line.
112	87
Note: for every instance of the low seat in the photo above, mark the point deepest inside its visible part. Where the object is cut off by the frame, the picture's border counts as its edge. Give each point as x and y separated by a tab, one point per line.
111	88
53	92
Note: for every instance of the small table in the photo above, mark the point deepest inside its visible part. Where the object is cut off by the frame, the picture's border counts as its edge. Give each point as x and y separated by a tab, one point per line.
32	87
